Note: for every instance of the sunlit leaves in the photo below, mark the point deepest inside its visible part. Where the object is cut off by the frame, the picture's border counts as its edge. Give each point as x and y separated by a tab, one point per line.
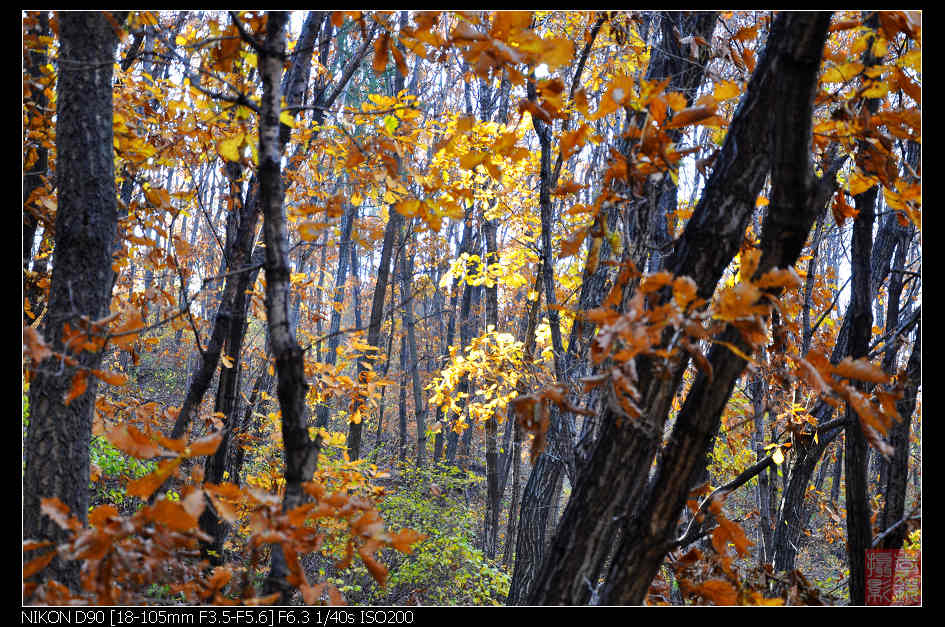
229	148
842	73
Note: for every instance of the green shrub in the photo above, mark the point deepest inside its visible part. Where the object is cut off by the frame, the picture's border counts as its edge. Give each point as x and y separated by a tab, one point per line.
446	568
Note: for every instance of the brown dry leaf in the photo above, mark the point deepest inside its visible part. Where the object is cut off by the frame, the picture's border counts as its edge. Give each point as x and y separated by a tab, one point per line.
173	515
691	115
719	591
206	445
37	564
34	345
59	512
381	46
146	485
860	369
79	384
129	440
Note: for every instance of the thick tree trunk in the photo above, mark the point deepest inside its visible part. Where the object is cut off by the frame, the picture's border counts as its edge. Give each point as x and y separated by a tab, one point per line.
859	534
57	440
667	62
771	125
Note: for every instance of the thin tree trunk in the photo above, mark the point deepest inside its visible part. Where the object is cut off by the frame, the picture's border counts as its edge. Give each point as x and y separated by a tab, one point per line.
301	453
393	228
413	363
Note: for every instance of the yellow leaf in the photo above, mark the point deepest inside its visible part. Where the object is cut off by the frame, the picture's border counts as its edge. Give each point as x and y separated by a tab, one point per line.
472	158
286	118
408	207
310	230
229	148
725	90
841	73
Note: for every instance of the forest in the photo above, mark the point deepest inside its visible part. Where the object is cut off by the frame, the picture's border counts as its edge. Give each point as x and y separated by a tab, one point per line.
398	308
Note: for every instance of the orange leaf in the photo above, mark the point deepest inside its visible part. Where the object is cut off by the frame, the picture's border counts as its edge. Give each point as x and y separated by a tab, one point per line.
399	61
377	569
684	290
655	281
465	123
381	46
690	116
223	496
786	278
129	440
146	485
59	512
718	591
206	445
471	159
111	378
124	335
860	369
35	565
404	540
79	384
173	514
100	515
34	345
573	141
571	245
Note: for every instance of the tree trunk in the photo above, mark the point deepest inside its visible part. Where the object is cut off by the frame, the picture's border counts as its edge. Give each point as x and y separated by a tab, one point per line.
338	297
773	118
57	440
393	228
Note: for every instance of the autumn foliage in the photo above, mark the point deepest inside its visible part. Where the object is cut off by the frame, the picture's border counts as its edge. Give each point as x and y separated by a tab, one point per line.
564	307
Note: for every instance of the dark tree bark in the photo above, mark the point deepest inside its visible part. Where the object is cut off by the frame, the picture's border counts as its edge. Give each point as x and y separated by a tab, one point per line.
771	127
898	473
301	452
341	275
237	258
439	418
413	358
57	440
793	511
859	534
492	470
393	228
540	489
467	329
402	401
